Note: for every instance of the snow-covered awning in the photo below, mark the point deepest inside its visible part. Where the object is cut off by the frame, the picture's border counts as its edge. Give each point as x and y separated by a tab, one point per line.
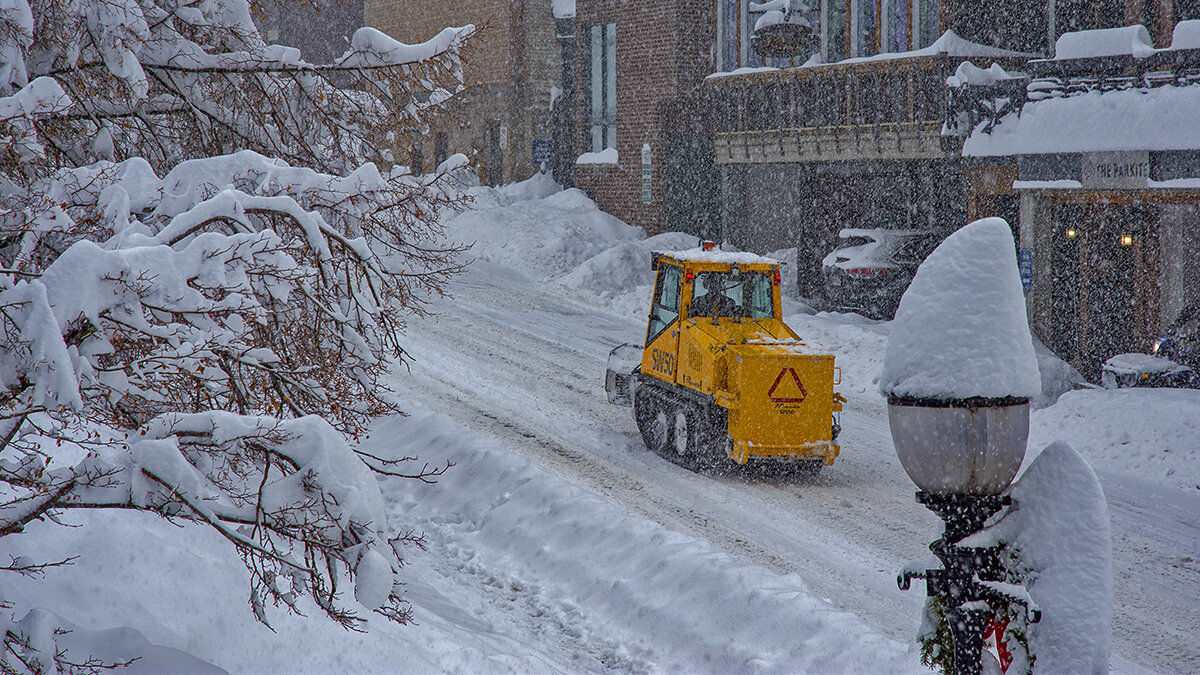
1105	90
1161	118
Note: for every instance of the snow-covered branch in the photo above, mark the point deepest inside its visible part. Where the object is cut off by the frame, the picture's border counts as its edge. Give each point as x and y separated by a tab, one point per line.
206	262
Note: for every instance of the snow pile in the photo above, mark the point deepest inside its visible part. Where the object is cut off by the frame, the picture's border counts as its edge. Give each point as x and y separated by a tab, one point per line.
1186	35
543	236
780	11
605	156
961	331
119	645
969	73
1059	534
1153	434
723	256
622	276
1126	40
1058	376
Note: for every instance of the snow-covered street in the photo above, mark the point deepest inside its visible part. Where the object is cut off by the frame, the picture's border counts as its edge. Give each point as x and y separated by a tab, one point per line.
558	543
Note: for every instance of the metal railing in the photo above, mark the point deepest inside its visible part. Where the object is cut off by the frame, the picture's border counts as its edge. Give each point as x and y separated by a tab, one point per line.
972	105
884	109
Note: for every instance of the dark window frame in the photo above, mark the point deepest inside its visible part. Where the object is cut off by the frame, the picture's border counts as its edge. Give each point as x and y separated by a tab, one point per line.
602	114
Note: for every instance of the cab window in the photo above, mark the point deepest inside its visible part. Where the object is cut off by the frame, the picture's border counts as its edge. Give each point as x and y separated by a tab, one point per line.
747	294
665	309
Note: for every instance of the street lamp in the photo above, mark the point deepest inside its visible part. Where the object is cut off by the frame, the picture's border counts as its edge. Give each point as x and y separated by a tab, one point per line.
958	375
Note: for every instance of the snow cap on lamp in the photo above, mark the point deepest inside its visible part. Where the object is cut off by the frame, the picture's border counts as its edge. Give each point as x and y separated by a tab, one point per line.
961	331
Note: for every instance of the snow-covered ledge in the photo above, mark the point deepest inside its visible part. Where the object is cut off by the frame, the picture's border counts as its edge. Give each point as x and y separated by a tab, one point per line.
607	156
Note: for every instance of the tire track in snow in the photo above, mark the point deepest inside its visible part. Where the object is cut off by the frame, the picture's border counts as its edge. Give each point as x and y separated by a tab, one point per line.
526	366
567	426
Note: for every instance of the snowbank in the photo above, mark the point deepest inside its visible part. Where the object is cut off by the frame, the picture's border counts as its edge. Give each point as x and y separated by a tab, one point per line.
622	276
1059	532
538	229
1153	434
961	331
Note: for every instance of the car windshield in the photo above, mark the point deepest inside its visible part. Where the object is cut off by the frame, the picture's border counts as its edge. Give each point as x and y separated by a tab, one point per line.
746	294
847	242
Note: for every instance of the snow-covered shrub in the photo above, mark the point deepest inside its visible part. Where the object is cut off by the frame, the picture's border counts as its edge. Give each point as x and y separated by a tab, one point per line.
205	265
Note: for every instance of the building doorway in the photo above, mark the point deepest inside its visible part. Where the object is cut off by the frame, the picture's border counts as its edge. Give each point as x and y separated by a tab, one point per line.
1102	268
692	187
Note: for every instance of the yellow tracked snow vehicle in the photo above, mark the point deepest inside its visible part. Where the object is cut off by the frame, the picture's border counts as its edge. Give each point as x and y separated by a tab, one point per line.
721	377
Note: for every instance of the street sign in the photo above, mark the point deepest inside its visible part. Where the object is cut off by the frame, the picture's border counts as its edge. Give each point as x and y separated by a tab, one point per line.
1025	263
543	152
647	193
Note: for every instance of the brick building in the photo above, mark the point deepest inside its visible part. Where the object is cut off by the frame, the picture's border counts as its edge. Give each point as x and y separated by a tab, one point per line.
320	29
513	71
638	67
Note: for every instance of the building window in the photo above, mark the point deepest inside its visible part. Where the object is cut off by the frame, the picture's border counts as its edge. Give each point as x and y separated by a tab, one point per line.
896	39
833	30
441	148
602	92
417	159
865	31
856	28
928	23
729	42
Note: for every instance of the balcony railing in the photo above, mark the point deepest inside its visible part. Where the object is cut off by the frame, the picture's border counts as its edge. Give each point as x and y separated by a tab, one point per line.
869	110
971	104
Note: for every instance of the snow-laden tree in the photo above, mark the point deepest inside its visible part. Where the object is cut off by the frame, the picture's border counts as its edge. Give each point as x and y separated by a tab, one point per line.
205	263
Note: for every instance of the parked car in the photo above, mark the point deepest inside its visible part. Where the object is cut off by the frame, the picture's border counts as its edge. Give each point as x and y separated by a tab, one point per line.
1174	360
871	268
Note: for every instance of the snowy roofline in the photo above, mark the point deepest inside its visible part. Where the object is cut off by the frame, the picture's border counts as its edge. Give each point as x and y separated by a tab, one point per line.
1132	41
949	44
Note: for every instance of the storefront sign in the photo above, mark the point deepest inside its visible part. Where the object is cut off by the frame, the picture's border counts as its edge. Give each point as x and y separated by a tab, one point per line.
647	194
1025	263
1127	169
543	152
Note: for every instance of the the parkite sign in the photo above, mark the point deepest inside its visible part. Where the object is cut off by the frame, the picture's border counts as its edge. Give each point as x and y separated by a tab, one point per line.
1126	169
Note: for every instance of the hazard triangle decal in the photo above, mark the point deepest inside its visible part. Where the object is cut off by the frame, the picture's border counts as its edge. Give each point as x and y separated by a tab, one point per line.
787	389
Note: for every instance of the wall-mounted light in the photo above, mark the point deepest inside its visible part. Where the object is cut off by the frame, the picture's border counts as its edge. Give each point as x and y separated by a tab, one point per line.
1127	240
1072	233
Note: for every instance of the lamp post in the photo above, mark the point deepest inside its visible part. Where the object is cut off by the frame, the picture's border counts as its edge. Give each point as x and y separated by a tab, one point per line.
962	454
958	374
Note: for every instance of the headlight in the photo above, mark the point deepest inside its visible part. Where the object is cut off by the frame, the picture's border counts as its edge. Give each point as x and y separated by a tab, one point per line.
1158	345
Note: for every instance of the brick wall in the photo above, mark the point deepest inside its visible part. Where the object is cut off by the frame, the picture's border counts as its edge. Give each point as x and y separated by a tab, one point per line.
320	29
509	70
664	50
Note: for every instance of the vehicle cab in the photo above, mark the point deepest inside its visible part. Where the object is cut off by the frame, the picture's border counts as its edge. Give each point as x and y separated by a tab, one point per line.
703	302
